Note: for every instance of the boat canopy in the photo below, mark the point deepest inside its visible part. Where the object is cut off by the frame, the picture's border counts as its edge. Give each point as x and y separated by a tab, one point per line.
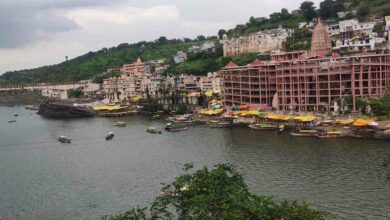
305	118
362	123
345	121
108	108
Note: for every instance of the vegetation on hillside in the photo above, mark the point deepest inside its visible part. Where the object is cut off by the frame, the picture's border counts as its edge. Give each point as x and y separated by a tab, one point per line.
204	62
219	193
93	64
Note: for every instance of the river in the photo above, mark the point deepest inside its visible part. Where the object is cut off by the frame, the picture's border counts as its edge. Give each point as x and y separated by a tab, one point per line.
41	178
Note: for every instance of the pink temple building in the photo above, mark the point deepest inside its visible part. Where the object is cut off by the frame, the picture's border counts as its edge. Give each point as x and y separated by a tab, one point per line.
306	81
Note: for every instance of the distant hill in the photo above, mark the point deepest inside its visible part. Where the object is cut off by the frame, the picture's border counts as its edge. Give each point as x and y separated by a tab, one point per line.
92	64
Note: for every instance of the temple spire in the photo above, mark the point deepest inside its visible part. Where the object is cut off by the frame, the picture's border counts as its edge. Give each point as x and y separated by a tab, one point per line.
320	41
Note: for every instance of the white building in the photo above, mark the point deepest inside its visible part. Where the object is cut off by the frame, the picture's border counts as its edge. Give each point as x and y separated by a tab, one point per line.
180	57
350	28
358	45
55	93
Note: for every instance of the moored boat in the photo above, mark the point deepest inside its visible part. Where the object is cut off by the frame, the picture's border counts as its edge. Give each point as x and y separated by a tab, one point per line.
110	135
12	121
120	124
263	126
219	124
281	128
64	139
31	107
331	134
153	130
155	117
172	127
306	133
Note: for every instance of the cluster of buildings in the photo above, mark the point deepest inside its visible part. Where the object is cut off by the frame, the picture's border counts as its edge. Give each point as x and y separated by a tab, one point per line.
135	81
351	36
347	61
314	80
259	42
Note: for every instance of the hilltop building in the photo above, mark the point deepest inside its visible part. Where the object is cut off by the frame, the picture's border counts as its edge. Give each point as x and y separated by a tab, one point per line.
136	68
307	81
180	57
353	37
207	46
259	42
135	80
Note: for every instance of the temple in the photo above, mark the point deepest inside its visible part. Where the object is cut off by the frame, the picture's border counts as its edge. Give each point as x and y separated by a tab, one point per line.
313	80
321	45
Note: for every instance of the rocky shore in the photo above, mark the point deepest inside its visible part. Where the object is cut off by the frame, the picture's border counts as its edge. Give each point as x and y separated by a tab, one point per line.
54	109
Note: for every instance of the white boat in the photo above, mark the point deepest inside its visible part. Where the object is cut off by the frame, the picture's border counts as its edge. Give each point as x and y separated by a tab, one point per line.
120	124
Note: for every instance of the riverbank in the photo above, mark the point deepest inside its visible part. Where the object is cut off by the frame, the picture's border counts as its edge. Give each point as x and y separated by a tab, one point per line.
20	98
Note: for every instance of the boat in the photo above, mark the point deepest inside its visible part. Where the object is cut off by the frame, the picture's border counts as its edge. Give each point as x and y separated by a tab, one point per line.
221	124
262	126
172	127
120	124
110	135
31	107
331	134
12	121
64	139
16	114
306	133
281	128
155	117
153	130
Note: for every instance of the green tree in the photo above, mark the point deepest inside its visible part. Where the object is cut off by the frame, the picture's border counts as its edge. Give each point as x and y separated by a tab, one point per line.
201	38
363	11
221	32
75	93
252	21
162	40
284	14
217	194
330	8
308	10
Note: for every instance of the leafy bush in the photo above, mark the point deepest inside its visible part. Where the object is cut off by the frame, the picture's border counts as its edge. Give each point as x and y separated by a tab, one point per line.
221	194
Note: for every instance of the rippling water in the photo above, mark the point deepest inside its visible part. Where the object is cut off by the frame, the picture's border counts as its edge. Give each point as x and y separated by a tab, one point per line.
43	179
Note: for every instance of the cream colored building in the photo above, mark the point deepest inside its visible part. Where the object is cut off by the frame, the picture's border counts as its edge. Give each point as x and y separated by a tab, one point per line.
259	42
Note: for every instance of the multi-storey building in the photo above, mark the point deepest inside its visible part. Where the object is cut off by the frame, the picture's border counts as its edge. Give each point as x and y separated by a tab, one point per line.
300	82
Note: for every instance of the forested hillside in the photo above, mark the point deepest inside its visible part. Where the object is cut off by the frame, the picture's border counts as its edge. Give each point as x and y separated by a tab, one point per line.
94	63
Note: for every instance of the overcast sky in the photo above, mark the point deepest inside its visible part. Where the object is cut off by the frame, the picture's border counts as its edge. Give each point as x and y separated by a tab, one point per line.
42	32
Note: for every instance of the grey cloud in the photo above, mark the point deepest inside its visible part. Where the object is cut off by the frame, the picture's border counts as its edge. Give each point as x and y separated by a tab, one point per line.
23	22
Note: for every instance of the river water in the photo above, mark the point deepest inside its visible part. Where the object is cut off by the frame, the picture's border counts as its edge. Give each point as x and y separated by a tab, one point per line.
43	179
